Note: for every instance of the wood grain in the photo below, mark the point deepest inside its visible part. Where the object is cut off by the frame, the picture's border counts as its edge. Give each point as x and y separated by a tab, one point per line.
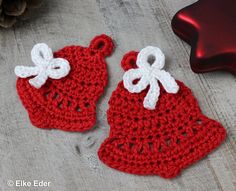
69	160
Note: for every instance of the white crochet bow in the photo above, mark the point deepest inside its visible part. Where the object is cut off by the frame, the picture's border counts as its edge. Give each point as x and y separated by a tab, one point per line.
45	66
150	74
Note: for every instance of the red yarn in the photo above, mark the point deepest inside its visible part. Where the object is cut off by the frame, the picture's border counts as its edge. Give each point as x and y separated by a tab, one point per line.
69	103
162	141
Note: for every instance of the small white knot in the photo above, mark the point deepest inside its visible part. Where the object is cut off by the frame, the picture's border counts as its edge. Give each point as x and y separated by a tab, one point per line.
149	74
45	66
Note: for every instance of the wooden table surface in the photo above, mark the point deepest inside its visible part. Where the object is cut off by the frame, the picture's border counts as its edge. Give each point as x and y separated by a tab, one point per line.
69	160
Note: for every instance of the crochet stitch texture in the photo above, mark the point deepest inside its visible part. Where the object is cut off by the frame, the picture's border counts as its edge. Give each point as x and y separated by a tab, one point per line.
69	103
162	141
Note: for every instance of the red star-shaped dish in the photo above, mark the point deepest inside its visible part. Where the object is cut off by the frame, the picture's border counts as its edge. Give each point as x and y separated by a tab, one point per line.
209	26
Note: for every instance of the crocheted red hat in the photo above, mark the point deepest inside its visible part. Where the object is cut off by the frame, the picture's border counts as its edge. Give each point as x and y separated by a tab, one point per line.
67	100
159	140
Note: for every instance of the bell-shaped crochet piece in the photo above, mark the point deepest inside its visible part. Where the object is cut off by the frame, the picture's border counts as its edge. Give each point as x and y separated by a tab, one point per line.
160	141
67	102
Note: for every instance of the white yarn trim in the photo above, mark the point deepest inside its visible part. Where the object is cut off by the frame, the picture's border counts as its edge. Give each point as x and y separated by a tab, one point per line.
45	66
150	74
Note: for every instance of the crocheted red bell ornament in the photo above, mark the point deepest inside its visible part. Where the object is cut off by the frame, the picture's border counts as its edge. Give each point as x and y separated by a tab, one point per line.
65	89
149	137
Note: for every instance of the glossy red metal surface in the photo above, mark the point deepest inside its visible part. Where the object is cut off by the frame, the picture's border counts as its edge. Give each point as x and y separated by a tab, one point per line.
209	26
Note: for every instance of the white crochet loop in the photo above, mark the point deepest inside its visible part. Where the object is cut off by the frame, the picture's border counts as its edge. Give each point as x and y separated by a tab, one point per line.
45	66
150	74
